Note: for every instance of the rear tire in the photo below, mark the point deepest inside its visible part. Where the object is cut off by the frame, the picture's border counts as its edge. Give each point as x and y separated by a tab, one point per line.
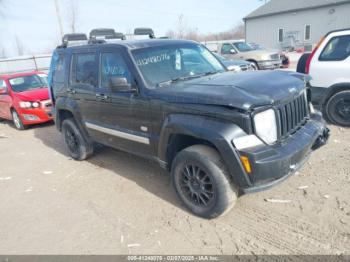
78	148
202	182
338	108
16	119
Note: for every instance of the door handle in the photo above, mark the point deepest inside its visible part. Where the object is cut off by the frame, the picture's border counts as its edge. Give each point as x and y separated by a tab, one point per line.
101	97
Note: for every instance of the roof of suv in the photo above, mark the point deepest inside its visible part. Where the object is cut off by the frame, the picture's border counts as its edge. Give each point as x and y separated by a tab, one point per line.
136	44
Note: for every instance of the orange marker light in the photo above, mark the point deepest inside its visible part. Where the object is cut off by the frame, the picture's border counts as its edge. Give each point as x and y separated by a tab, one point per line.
246	164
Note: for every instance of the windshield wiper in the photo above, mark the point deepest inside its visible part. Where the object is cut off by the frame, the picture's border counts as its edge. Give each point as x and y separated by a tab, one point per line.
183	78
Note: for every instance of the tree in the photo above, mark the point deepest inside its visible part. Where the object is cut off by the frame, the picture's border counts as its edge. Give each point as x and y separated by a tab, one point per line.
19	46
73	8
58	14
2	53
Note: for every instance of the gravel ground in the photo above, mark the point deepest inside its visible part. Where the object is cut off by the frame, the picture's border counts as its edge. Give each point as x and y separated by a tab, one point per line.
116	203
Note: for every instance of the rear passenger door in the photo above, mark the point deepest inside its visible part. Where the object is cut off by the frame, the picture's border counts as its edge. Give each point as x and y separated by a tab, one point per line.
84	83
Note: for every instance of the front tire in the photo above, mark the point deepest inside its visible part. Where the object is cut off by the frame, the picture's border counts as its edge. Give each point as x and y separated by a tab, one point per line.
202	182
16	119
78	148
338	108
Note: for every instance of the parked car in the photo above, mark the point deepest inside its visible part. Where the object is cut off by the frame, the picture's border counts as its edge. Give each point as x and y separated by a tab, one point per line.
24	99
329	67
262	59
236	65
283	56
219	134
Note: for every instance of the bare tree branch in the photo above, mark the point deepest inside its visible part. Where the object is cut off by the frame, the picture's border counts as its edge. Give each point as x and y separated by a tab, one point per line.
19	46
73	11
183	31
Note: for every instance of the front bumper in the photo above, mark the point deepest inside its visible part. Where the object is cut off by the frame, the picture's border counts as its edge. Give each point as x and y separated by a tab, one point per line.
272	64
273	164
35	115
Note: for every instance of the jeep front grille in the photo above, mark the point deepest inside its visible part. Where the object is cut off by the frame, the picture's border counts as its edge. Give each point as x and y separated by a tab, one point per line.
292	116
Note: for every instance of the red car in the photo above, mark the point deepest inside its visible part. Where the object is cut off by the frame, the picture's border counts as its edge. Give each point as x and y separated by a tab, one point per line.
24	99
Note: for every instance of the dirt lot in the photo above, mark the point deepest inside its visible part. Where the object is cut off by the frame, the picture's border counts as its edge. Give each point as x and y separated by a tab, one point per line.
116	203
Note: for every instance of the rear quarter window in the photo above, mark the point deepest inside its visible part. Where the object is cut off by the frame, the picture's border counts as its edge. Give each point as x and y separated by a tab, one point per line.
337	49
60	70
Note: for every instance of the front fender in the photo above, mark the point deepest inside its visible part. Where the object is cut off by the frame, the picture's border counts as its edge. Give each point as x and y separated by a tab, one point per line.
219	133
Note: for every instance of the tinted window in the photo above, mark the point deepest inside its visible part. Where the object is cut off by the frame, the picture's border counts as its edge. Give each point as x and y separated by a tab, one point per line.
113	65
226	48
337	49
84	69
307	32
280	35
60	70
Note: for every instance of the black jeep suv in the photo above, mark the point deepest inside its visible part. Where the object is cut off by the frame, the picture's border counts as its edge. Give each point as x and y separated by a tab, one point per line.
220	134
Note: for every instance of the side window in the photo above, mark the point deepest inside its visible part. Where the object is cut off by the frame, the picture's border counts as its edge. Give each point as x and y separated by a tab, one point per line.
337	49
307	32
226	49
113	65
84	70
59	70
3	87
280	35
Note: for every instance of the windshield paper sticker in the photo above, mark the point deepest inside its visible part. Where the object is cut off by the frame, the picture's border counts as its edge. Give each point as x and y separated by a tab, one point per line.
153	59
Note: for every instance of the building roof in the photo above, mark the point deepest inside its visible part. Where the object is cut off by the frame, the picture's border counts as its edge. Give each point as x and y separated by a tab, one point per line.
283	6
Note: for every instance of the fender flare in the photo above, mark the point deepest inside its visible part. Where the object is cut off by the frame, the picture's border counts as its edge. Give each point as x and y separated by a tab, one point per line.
70	105
219	133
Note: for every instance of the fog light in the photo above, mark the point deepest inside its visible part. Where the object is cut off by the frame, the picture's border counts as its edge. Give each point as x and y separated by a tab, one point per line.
246	164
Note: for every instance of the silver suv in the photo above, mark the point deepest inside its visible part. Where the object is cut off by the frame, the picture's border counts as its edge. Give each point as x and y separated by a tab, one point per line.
262	59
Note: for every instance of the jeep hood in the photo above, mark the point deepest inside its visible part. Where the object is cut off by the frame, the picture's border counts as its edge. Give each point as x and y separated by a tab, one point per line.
241	90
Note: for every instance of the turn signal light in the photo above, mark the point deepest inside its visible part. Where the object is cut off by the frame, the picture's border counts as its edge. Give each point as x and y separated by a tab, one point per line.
246	164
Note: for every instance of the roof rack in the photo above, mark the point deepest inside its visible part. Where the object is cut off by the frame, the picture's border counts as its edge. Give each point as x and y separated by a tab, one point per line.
103	35
143	32
74	39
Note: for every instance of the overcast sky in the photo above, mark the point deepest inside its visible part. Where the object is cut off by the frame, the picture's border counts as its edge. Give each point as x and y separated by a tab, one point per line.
34	22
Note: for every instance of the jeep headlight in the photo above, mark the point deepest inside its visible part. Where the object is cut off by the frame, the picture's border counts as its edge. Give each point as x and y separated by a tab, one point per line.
266	126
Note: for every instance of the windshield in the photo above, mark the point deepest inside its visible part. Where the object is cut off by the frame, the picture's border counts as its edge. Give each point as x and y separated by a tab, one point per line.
27	83
163	64
243	47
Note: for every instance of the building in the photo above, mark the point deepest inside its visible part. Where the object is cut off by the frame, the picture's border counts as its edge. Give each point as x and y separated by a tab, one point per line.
284	24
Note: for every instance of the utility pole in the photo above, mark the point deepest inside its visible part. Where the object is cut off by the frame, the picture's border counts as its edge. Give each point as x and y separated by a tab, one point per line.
57	8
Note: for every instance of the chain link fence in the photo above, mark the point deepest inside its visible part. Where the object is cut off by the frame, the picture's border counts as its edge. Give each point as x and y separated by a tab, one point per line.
25	64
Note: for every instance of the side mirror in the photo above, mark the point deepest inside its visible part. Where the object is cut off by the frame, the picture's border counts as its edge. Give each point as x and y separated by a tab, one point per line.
232	51
120	84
